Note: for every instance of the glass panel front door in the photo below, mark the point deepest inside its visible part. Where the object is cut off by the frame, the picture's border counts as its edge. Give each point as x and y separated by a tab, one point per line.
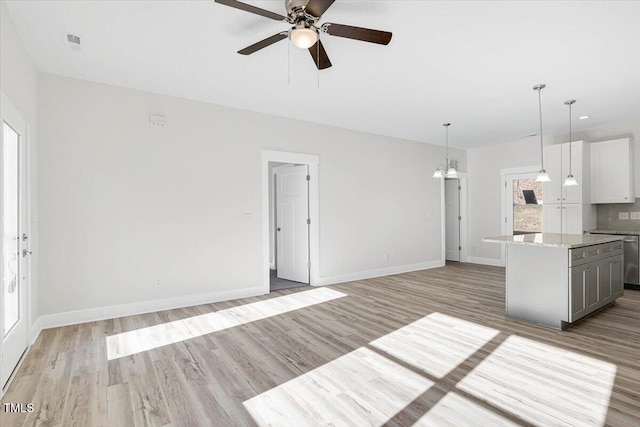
527	206
10	228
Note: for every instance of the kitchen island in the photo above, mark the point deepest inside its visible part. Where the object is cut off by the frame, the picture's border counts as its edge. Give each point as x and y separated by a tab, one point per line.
555	280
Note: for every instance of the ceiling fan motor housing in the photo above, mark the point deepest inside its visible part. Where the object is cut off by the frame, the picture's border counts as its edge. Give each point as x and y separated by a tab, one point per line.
293	6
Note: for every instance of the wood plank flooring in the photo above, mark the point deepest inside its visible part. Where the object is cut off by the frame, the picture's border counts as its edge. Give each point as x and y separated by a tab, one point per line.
424	348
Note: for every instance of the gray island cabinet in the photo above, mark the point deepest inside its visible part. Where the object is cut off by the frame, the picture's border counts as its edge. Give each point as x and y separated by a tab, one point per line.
555	280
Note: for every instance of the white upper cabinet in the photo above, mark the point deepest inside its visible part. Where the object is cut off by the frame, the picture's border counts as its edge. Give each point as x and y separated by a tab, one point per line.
612	171
568	218
556	162
552	191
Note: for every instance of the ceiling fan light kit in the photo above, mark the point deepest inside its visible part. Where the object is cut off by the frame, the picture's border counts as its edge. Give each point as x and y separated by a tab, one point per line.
305	34
304	37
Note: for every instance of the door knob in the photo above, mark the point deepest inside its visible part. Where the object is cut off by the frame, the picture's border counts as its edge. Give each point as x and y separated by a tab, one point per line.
26	252
278	229
24	237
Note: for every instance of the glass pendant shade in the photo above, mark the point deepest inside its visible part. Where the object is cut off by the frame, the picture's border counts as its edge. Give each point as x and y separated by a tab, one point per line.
570	182
438	173
452	172
543	176
304	38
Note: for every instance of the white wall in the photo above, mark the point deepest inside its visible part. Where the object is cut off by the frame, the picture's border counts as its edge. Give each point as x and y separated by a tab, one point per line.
124	204
19	82
485	163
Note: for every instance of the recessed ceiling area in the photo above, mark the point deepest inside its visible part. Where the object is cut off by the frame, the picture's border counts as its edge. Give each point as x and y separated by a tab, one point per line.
470	63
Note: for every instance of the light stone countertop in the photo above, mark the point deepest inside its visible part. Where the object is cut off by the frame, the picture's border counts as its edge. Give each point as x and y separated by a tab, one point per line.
617	232
554	240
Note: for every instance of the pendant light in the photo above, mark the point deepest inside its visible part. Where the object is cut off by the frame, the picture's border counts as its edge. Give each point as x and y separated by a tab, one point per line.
451	171
570	181
543	176
447	170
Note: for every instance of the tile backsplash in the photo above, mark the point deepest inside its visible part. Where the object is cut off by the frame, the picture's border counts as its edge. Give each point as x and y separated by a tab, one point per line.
609	216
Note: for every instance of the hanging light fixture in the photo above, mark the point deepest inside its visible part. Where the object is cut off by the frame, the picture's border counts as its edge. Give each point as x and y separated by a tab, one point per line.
447	170
451	171
570	181
543	176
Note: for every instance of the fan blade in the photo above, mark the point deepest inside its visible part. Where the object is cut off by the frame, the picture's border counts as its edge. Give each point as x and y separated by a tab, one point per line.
263	43
357	33
322	62
318	7
252	9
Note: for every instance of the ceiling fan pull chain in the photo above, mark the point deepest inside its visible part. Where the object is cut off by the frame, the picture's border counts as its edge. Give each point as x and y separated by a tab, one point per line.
288	63
318	60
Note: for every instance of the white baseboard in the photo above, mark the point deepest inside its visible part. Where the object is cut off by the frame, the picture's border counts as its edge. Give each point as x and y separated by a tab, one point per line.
114	311
380	272
486	261
36	328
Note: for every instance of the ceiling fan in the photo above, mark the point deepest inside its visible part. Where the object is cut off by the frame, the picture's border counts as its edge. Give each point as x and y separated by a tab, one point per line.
305	33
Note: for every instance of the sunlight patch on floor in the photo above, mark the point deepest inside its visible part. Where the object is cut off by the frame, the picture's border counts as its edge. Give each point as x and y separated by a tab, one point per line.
359	388
542	384
139	340
437	343
455	410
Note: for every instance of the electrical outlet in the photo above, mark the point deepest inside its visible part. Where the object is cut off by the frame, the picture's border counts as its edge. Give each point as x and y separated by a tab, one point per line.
635	215
623	215
429	215
473	248
247	217
387	257
157	283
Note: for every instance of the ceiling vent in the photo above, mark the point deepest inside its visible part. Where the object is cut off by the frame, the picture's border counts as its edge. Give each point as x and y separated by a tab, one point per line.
72	41
157	119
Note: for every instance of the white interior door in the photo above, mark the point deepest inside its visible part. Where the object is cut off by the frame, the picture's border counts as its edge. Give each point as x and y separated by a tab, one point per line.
292	228
13	208
452	219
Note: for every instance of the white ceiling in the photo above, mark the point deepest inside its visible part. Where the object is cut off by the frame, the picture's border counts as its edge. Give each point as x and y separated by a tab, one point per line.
470	63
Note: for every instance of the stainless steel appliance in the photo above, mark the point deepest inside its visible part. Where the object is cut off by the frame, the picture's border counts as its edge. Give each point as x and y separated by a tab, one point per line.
631	256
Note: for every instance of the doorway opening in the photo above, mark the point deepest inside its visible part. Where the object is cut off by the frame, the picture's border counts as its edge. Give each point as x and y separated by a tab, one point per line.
524	201
289	223
290	220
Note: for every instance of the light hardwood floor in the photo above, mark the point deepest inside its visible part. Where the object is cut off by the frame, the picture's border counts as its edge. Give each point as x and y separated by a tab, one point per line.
424	348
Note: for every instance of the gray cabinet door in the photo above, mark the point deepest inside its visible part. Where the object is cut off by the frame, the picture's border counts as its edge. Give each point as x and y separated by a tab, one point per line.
605	284
591	278
617	276
578	292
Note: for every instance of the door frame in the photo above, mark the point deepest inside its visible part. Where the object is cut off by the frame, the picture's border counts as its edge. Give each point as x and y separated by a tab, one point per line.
9	111
314	230
504	176
463	178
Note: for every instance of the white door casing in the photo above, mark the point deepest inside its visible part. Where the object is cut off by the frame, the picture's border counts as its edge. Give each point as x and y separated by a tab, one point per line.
14	268
292	232
313	162
452	213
